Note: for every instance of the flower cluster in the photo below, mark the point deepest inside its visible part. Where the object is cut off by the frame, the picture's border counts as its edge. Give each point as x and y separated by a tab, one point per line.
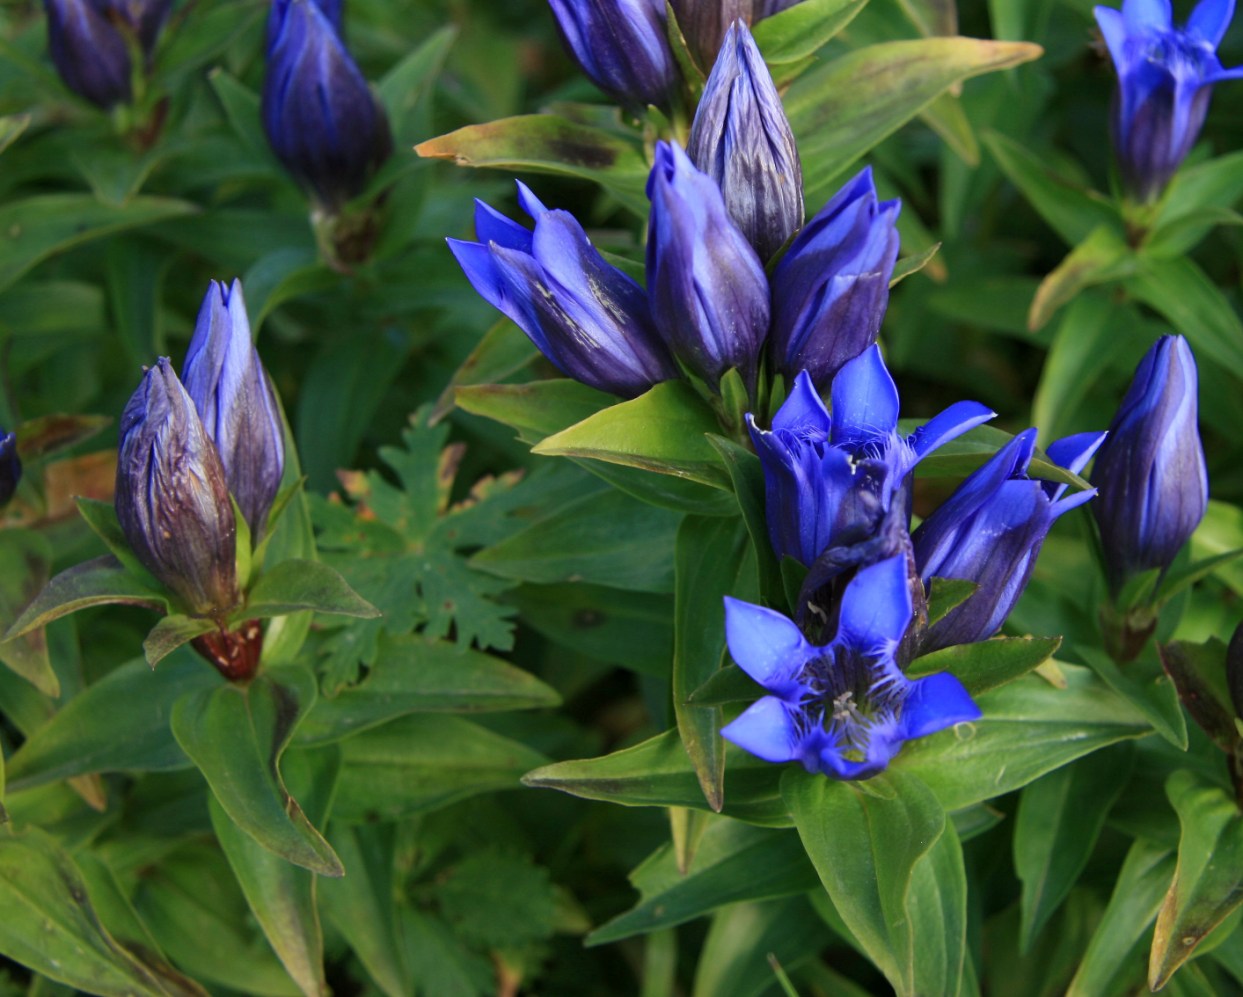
718	215
90	42
187	447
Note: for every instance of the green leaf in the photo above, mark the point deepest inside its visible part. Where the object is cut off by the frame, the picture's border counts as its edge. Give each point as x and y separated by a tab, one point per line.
728	685
734	862
708	556
892	866
297	584
988	664
403	86
1101	258
422	763
1194	305
549	143
86	735
101	517
1198	672
414	675
48	923
46	224
537	410
747	477
745	939
798	33
29	558
1029	728
11	128
504	350
1070	210
1059	819
361	904
663	430
1214	184
495	900
658	773
47	436
171	633
610	539
1208	881
842	108
241	107
282	896
93	583
236	735
945	594
1147	687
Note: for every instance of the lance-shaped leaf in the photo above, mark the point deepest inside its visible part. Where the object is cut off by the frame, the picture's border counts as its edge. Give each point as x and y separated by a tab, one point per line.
838	111
235	735
29	559
298	584
987	664
1145	685
793	36
1199	674
1208	881
1101	258
92	583
49	924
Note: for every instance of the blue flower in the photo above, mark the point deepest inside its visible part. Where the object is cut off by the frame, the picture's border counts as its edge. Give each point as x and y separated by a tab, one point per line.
831	482
707	286
236	403
89	52
741	138
704	22
1165	79
171	497
846	708
622	46
322	121
990	532
1150	472
586	316
831	288
10	467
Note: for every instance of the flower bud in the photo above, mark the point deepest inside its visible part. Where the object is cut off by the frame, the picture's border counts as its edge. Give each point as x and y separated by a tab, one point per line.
89	52
322	120
171	497
1165	80
831	288
990	532
1150	473
742	139
708	289
704	22
10	467
236	403
586	316
622	47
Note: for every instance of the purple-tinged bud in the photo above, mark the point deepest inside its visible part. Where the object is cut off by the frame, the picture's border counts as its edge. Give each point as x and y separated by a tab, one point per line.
1150	473
742	139
704	22
333	10
1165	80
89	52
586	316
144	18
10	467
236	403
831	288
990	532
322	120
622	46
171	496
707	286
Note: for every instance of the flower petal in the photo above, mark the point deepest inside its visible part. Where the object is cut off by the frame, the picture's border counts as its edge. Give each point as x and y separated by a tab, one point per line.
1210	19
803	409
766	645
876	607
950	424
934	703
767	730
492	226
865	401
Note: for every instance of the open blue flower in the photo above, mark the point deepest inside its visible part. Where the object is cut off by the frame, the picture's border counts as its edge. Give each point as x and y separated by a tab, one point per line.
831	481
990	532
1165	79
586	316
843	709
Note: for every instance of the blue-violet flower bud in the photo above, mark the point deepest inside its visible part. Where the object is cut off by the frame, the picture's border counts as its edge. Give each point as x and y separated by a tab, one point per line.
1165	79
144	18
846	708
990	532
322	120
586	316
622	46
707	286
703	23
333	10
10	467
741	138
831	288
171	497
1150	472
89	52
236	403
831	481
